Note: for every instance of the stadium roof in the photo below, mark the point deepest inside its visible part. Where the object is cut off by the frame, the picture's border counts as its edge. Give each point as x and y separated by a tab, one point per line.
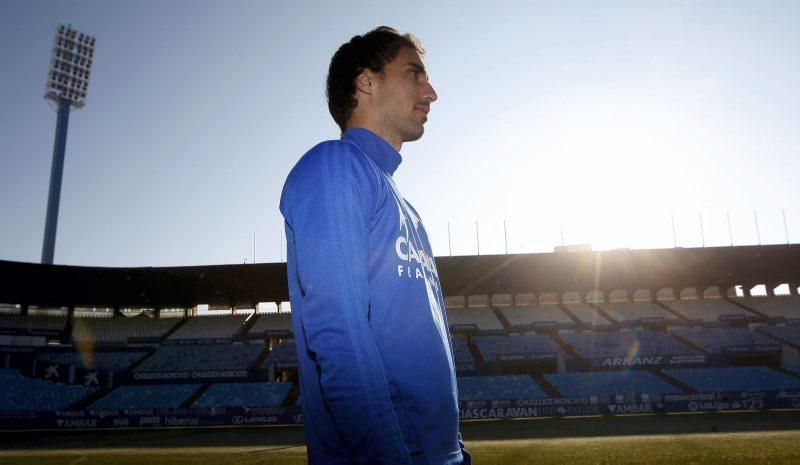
232	285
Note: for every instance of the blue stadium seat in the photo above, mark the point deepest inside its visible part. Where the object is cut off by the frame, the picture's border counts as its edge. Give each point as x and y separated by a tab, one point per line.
635	312
481	319
210	327
33	323
461	353
529	316
114	361
625	344
243	395
498	388
714	340
271	324
776	307
282	355
733	379
609	383
119	329
790	334
145	396
19	393
793	369
202	357
586	314
494	348
710	310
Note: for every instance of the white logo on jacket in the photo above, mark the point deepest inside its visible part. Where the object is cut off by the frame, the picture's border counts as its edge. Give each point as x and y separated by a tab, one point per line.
408	252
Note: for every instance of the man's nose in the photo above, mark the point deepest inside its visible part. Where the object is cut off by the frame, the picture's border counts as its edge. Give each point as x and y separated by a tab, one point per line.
428	93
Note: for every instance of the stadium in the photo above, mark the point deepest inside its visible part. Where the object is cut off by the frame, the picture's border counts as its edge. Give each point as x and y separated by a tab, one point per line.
656	142
651	335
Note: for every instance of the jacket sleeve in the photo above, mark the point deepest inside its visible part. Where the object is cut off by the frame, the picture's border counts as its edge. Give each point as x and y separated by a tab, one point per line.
464	453
329	206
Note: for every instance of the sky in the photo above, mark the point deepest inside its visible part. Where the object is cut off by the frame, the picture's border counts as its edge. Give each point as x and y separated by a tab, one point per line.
599	123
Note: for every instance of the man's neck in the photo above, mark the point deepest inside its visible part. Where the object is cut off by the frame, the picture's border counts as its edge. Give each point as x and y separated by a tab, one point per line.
392	139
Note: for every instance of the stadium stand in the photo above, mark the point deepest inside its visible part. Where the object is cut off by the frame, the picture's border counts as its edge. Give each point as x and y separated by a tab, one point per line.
710	310
455	301
145	396
113	361
595	296
19	393
526	299
462	356
271	324
522	317
243	395
142	351
478	301
715	340
785	333
689	293
586	314
502	300
202	357
609	383
481	319
210	327
515	346
733	379
665	294
625	344
498	388
634	313
121	329
31	323
283	355
785	307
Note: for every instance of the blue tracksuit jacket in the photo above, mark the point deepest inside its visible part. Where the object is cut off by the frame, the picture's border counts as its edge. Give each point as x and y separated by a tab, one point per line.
375	358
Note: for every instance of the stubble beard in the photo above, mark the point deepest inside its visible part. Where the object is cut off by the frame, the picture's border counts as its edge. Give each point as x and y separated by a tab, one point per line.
408	128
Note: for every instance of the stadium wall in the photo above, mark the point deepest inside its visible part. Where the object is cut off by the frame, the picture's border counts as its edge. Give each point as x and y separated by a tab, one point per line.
468	410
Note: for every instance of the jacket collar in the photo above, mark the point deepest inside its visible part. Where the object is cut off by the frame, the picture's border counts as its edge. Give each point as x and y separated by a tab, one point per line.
377	149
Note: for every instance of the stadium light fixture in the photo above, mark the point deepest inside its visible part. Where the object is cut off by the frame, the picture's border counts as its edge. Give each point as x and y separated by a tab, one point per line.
67	85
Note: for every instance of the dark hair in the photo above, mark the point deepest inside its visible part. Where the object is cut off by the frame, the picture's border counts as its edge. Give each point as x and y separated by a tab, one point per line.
369	51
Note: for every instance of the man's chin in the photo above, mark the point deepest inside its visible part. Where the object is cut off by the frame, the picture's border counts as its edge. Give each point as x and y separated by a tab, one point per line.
411	136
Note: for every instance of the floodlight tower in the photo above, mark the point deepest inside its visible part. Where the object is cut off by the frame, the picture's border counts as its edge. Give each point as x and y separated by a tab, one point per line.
67	84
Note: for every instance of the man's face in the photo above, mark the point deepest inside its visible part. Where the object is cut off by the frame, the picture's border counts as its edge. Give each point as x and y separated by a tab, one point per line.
404	97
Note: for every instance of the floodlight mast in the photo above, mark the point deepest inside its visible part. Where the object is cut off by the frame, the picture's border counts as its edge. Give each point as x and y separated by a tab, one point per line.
67	85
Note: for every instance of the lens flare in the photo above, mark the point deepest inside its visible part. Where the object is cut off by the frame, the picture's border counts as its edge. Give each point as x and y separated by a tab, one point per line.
84	341
633	350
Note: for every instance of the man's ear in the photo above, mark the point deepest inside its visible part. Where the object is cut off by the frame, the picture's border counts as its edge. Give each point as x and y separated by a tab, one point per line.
364	82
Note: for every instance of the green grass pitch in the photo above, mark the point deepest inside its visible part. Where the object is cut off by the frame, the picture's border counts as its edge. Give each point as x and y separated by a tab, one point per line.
739	438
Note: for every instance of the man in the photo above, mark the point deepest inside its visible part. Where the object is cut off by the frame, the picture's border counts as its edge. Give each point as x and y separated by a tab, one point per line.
377	381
